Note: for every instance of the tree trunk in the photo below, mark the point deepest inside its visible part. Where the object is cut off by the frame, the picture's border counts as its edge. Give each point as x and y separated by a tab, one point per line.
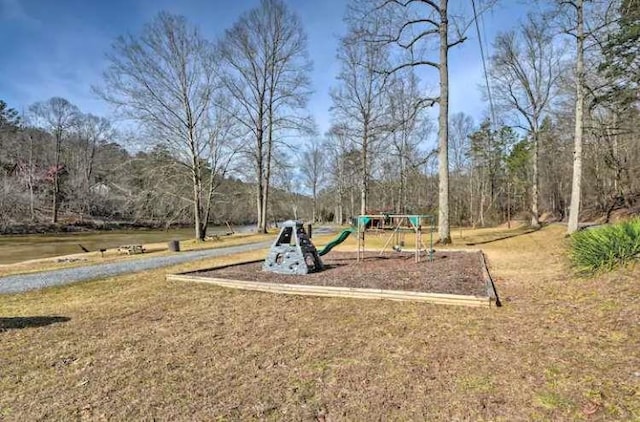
508	206
259	155
196	211
535	219
364	182
443	130
209	203
267	174
352	202
315	205
89	163
32	209
197	197
574	209
402	194
471	216
265	202
259	201
56	179
339	210
31	181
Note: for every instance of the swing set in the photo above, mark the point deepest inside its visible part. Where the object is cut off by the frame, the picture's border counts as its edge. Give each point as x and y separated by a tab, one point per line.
398	225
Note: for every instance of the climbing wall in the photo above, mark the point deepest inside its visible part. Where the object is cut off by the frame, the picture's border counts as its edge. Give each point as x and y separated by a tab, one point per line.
292	252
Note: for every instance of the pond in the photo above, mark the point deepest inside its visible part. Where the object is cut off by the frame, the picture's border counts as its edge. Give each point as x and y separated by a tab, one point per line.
24	247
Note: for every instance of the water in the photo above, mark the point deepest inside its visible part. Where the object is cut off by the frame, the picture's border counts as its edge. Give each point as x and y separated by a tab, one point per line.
21	248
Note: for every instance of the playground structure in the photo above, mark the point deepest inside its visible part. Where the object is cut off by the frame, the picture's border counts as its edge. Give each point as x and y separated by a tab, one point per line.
398	224
294	253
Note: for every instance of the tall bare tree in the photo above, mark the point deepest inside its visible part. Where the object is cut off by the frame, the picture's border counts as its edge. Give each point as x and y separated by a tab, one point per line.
586	22
267	74
461	127
340	151
412	25
409	127
360	101
313	167
90	132
57	116
525	69
165	78
576	185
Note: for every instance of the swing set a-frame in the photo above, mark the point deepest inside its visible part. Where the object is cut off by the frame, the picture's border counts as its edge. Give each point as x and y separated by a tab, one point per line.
397	225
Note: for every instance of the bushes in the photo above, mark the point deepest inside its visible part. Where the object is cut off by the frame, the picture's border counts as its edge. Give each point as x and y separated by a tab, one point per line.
606	247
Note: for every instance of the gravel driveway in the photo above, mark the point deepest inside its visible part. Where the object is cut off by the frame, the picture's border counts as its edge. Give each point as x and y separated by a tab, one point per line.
24	282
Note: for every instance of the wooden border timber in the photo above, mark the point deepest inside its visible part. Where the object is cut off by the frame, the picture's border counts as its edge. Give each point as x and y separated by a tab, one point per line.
331	291
491	287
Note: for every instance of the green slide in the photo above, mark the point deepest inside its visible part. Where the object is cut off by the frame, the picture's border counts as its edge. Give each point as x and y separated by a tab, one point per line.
335	242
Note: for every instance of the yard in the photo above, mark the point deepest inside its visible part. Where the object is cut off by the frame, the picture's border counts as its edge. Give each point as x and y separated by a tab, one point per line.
139	347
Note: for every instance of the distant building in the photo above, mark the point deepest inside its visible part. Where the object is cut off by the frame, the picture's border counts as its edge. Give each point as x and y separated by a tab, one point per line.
100	189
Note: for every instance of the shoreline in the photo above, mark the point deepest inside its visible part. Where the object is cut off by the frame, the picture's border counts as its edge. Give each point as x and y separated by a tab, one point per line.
90	227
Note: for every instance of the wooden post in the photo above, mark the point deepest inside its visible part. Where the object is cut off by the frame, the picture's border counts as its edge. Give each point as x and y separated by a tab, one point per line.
418	241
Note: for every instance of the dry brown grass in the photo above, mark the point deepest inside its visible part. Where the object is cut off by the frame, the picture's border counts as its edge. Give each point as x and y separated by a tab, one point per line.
138	347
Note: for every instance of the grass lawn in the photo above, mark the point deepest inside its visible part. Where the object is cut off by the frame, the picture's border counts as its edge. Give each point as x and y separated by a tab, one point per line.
139	347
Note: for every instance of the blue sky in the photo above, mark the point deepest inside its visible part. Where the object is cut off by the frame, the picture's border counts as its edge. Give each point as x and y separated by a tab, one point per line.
57	47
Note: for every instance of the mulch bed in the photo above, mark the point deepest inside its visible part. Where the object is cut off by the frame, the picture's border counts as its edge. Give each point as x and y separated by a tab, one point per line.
449	272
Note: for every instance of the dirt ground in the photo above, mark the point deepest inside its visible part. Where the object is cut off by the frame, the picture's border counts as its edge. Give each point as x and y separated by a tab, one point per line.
448	272
139	347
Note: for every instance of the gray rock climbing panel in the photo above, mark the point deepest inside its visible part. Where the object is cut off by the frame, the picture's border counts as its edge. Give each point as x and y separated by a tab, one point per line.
292	252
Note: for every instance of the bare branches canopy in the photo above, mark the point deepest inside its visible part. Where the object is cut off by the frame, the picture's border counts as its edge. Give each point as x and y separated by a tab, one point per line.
166	79
267	75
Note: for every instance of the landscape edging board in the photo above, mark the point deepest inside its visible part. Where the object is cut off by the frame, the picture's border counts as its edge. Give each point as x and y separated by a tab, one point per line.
331	291
491	287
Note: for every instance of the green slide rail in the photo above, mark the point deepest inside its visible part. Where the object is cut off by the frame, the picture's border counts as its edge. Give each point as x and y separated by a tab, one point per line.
335	242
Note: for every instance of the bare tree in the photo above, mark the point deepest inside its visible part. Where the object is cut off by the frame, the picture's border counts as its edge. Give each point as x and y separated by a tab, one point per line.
57	116
461	126
285	177
222	146
360	101
525	70
339	150
585	22
17	164
574	209
411	25
268	76
165	79
30	168
313	168
90	132
408	127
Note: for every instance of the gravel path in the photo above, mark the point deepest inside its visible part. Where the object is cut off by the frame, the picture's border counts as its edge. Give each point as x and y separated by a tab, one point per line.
24	282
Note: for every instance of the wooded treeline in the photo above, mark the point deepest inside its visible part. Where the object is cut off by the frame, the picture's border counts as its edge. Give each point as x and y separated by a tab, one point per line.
222	132
562	108
98	179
